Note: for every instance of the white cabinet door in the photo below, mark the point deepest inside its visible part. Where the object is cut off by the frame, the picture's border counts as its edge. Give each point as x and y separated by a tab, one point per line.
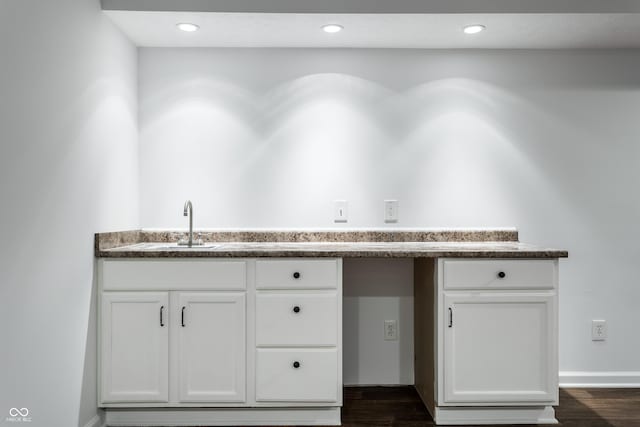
211	347
135	341
499	348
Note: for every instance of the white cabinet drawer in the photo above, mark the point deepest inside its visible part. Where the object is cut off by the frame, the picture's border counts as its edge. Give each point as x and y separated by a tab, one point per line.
173	274
297	319
315	379
499	274
297	274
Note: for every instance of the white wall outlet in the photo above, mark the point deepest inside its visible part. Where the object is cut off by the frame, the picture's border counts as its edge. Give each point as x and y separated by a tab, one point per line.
340	211
390	211
598	330
390	330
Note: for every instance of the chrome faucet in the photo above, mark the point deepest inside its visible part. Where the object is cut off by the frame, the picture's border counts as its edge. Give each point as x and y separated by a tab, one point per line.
188	211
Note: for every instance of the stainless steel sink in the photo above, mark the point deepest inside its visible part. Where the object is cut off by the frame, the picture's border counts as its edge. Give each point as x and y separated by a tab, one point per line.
175	246
205	246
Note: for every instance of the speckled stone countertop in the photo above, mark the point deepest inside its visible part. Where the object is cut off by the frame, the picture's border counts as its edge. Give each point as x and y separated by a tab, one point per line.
473	243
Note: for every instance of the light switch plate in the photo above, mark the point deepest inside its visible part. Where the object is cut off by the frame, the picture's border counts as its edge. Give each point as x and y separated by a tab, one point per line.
340	211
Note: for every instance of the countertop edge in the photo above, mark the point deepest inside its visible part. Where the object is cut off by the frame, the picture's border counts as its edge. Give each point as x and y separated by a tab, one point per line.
539	254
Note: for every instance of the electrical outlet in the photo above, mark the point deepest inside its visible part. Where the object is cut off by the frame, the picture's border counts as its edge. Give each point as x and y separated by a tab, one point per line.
390	211
598	330
340	211
390	330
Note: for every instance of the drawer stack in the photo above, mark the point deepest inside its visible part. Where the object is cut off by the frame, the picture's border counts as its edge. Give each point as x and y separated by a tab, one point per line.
298	331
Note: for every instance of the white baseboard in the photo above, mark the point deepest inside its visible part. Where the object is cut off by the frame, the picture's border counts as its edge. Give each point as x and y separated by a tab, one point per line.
96	421
377	385
224	417
614	379
451	415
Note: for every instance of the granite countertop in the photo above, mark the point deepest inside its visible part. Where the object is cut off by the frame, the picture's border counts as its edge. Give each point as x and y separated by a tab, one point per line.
494	243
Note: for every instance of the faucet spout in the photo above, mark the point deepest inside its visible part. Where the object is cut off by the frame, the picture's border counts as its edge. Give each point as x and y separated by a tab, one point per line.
188	211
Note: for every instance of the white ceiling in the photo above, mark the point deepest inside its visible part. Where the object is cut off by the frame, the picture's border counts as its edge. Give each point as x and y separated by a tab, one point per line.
379	6
520	31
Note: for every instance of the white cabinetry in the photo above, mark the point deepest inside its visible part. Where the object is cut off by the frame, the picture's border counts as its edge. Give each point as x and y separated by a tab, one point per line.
220	341
135	345
297	375
211	346
497	332
297	319
499	348
298	331
177	345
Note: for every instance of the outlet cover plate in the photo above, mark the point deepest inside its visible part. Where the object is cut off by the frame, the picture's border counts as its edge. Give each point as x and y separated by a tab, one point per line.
390	330
390	211
598	330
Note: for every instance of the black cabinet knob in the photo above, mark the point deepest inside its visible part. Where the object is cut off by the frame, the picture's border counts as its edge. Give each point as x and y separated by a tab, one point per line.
502	275
296	309
296	365
296	275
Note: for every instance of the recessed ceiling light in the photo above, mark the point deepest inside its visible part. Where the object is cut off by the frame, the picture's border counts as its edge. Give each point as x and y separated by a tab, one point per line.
474	29
332	28
188	27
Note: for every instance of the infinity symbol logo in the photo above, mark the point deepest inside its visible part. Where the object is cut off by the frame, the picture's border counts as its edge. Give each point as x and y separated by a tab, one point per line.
14	412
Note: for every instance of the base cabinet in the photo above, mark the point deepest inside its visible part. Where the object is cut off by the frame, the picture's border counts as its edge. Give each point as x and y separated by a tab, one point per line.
259	341
298	332
499	347
486	340
220	342
497	329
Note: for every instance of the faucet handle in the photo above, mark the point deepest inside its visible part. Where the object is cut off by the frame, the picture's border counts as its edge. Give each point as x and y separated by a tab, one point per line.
198	239
183	239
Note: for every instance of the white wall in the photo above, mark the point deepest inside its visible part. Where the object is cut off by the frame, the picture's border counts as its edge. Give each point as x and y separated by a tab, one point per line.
68	168
543	140
376	290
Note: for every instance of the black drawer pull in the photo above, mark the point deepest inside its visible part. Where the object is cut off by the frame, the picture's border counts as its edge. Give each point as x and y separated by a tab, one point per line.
296	364
296	309
502	275
182	320
296	275
161	319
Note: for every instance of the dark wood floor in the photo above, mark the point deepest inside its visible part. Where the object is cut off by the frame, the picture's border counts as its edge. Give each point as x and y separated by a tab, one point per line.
401	407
